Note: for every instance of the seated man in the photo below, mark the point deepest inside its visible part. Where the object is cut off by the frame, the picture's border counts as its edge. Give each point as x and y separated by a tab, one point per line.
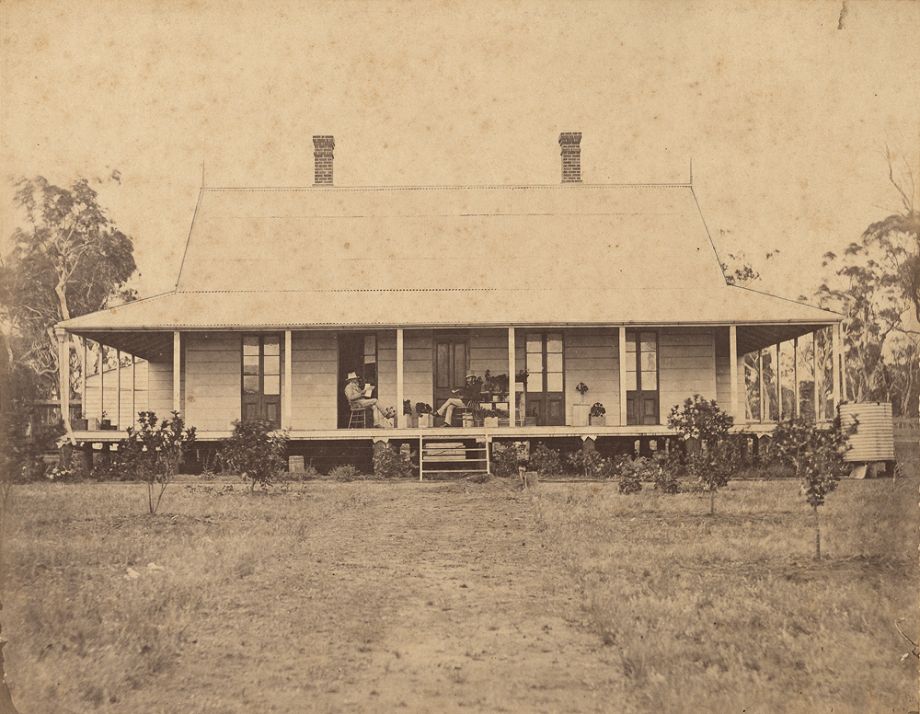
354	393
459	398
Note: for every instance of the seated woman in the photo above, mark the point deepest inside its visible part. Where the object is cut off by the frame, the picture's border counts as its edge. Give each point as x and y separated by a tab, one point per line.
459	399
356	400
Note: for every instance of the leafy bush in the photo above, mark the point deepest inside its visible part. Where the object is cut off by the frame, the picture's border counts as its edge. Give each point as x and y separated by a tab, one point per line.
816	455
713	458
344	472
390	463
546	461
422	408
256	451
153	451
506	458
630	474
590	464
666	472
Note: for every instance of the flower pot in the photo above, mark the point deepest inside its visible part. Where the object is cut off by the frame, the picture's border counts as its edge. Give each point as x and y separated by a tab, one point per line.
490	422
580	414
424	421
467	420
79	424
598	420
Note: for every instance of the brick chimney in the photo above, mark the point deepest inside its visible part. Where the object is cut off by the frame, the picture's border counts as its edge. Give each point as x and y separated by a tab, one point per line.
322	160
570	143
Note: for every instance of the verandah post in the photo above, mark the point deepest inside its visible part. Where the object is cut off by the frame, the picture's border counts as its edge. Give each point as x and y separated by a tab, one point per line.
64	377
816	376
118	387
621	362
835	337
177	371
400	384
287	407
733	369
797	409
512	396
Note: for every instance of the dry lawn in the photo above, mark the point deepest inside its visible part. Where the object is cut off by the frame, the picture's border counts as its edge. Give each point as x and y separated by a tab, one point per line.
446	597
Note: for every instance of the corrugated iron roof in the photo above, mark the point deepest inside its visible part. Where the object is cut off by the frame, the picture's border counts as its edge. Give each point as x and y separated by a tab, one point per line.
561	254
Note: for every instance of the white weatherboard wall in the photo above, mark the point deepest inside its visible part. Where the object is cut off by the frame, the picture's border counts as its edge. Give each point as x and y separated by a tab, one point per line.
723	371
159	388
212	380
489	351
314	376
419	366
686	365
126	416
592	357
386	369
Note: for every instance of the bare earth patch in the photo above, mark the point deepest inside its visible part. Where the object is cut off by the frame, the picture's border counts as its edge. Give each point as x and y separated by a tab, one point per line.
447	597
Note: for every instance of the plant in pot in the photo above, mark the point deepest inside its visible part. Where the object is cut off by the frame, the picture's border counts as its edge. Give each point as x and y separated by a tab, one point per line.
597	414
411	420
490	418
581	410
423	412
104	422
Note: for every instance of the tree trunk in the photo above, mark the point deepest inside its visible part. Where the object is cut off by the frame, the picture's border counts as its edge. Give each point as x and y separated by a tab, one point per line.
712	501
817	534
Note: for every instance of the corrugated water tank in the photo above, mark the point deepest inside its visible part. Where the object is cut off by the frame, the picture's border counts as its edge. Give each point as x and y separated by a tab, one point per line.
874	436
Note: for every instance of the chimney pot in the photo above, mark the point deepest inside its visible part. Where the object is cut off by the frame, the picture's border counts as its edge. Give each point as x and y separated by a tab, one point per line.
322	160
570	145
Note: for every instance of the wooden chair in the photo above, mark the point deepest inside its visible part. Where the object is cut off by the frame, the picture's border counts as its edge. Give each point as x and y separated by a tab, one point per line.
357	418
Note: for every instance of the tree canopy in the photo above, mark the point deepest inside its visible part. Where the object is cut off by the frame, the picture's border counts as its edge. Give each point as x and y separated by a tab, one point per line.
67	259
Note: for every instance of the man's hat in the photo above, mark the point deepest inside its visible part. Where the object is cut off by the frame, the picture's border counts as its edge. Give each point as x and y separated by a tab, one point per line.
351	376
470	374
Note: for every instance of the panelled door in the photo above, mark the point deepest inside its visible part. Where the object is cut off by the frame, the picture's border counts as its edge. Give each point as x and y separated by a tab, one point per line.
451	360
261	398
642	377
545	378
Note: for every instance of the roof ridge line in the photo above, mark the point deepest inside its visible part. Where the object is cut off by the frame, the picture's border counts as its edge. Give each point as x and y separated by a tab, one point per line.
441	187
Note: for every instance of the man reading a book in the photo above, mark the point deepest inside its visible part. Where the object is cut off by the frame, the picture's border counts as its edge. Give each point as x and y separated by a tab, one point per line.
359	398
459	398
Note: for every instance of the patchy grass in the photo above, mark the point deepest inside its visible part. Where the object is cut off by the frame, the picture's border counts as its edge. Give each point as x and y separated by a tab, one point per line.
732	612
372	596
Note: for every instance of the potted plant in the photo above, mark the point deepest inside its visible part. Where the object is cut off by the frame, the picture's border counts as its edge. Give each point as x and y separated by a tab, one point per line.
581	410
597	414
411	419
490	419
423	413
105	423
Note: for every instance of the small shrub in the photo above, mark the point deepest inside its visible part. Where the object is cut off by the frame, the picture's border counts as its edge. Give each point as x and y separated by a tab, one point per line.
630	474
256	451
598	410
666	472
546	461
506	458
343	472
816	455
390	463
153	451
589	463
713	459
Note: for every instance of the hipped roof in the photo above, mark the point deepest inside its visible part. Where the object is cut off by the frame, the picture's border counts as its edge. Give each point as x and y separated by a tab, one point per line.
439	256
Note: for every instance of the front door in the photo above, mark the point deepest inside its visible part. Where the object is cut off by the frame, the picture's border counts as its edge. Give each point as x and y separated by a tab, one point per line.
642	377
261	397
451	360
545	378
358	354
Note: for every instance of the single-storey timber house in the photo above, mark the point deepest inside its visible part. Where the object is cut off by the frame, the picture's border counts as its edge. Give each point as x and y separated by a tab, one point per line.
284	291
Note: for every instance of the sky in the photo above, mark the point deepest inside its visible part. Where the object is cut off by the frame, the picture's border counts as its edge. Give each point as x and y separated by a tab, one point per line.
784	108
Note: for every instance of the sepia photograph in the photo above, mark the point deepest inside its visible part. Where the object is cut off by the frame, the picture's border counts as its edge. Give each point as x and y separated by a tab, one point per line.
459	356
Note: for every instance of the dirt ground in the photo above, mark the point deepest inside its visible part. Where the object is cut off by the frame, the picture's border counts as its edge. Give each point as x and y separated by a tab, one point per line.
400	596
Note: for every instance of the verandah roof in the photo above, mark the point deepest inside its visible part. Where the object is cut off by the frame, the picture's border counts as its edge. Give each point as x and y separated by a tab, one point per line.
572	254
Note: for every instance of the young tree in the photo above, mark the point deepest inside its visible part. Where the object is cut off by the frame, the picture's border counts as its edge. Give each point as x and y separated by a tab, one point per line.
69	259
816	455
256	451
711	458
154	451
